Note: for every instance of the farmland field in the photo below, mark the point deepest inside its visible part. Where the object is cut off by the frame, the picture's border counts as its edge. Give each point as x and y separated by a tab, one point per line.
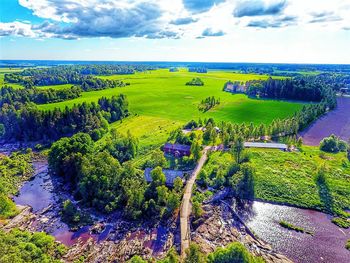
3	71
162	98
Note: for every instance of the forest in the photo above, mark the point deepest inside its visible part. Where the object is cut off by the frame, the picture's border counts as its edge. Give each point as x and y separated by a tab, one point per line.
102	178
25	122
298	88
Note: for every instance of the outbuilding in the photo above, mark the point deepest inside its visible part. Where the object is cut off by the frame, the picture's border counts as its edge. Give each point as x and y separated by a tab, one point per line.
177	150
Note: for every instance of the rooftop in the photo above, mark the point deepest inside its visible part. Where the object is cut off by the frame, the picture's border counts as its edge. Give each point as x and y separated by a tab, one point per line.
176	146
170	175
269	145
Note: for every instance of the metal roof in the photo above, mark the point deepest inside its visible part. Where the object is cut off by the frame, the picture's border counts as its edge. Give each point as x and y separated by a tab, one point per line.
180	147
170	175
270	145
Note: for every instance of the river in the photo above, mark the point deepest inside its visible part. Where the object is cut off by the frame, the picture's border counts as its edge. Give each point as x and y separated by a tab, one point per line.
326	245
334	122
39	193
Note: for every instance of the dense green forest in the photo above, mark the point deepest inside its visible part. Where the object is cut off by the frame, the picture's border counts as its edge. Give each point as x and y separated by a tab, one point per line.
10	95
25	122
102	178
22	247
299	88
77	74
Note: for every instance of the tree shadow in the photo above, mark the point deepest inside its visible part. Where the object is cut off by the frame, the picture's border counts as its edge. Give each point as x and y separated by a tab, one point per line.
324	192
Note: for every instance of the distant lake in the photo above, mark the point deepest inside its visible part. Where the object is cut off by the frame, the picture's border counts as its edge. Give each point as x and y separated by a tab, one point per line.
335	122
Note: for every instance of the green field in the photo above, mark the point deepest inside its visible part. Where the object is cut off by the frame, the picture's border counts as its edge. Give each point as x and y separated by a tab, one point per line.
290	177
3	71
161	101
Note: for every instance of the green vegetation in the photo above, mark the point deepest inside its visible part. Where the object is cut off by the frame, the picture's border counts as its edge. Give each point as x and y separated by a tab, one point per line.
233	253
103	178
22	247
347	245
341	222
195	82
13	170
73	217
208	103
295	178
293	227
333	144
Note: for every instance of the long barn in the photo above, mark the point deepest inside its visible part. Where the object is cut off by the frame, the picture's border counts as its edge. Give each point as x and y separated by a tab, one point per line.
266	145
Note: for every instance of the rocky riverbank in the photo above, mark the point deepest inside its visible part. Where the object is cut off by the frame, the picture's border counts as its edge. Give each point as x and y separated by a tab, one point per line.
219	227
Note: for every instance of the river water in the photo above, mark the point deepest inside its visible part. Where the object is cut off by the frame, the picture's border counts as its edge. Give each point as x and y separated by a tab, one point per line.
39	193
326	245
335	122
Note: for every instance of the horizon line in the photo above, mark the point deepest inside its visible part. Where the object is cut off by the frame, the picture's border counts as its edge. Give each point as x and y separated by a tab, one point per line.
170	61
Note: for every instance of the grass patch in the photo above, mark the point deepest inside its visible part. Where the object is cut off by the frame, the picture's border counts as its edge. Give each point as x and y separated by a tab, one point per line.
341	222
290	177
347	245
294	228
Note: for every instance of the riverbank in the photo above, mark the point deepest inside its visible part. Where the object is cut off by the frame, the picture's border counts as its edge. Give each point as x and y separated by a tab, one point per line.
220	227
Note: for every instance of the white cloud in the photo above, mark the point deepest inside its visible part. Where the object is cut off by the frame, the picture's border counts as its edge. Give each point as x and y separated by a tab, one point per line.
68	19
16	29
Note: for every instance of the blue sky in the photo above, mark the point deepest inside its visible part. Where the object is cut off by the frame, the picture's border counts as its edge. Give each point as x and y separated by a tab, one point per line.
292	31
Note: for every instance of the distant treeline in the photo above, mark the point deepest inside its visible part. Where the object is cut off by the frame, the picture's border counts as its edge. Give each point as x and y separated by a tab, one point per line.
304	89
88	70
25	122
198	70
10	95
41	77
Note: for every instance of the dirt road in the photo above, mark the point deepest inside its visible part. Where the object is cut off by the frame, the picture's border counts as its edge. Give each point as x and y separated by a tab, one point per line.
186	203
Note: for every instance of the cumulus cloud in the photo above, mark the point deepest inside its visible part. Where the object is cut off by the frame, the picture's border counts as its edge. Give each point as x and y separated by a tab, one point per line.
278	22
67	19
92	18
183	21
211	33
259	8
199	6
324	16
16	29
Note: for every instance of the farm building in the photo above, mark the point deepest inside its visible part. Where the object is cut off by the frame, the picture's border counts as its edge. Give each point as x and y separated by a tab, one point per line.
177	150
170	175
235	87
280	146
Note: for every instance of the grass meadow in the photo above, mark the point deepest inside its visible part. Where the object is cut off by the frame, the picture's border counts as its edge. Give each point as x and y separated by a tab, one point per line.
290	177
160	101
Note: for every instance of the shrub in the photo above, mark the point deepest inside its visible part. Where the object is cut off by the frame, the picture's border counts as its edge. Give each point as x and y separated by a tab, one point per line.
341	222
233	253
333	144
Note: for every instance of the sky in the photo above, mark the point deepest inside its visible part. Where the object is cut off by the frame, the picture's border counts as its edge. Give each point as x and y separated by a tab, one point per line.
271	31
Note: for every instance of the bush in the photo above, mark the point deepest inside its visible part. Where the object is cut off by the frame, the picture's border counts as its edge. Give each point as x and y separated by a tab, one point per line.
341	222
233	253
23	246
333	144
